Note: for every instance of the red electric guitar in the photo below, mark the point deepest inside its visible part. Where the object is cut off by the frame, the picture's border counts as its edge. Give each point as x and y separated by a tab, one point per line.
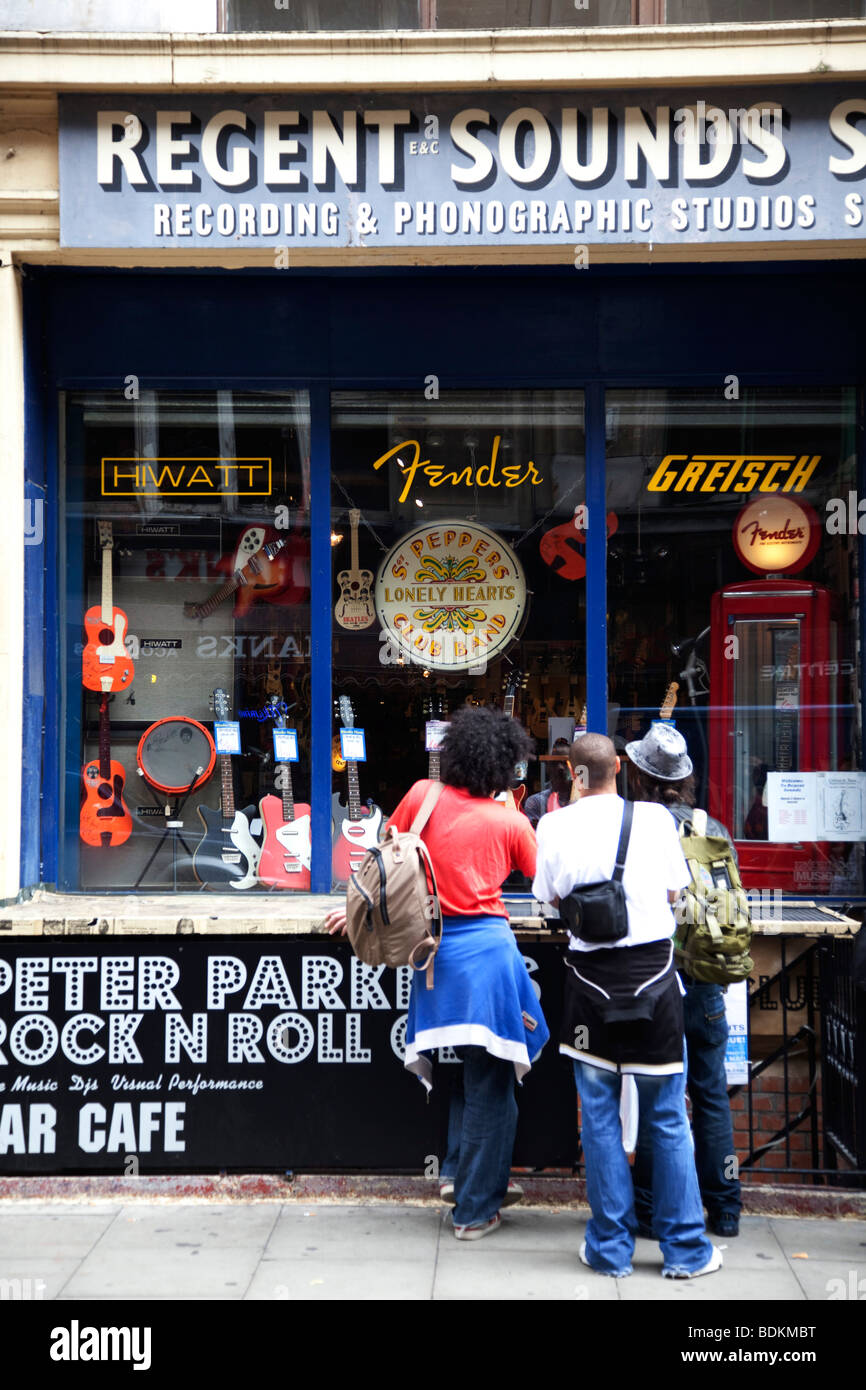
260	570
105	663
285	861
104	820
355	830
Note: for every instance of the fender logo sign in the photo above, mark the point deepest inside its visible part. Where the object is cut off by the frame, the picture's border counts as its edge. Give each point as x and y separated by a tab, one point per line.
186	477
719	472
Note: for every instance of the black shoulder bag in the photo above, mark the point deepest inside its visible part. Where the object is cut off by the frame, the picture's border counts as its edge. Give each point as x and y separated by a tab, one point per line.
597	912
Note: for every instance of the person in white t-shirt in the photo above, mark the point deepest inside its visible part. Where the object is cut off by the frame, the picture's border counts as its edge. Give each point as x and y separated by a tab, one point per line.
623	1014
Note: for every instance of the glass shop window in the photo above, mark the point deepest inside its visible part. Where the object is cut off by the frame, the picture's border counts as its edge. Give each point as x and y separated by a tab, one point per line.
759	11
733	604
186	626
459	566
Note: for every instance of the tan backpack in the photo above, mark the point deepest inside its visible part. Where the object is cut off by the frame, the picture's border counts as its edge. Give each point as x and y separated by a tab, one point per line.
393	914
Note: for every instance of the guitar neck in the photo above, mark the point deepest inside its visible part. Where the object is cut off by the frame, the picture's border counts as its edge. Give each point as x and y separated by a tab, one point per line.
106	586
354	792
204	610
104	740
288	796
433	766
508	706
228	788
354	518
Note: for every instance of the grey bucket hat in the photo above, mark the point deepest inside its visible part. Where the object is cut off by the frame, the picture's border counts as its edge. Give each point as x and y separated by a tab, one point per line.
662	753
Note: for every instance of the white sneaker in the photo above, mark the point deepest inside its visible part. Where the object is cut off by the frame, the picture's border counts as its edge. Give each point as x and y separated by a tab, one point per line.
622	1274
477	1232
715	1262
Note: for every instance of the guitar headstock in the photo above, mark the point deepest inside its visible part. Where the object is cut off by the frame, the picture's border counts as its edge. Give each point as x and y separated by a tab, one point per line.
220	703
106	535
514	680
667	706
345	712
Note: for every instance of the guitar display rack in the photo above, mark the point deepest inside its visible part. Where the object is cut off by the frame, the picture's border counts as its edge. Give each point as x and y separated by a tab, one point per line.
172	828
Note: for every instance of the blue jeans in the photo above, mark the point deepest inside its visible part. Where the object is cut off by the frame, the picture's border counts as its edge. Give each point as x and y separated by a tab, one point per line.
679	1220
706	1029
482	1120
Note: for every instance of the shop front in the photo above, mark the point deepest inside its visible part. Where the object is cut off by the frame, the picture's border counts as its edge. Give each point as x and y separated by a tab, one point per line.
292	516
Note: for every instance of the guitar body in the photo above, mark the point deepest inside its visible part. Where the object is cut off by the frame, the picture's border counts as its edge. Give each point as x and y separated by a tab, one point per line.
105	663
104	820
283	578
352	838
285	857
354	608
226	856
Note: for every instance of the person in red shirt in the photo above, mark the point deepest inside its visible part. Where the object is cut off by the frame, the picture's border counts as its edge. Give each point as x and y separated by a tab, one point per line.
482	1003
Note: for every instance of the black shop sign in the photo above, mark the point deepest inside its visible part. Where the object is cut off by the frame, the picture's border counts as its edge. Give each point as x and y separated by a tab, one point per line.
227	1054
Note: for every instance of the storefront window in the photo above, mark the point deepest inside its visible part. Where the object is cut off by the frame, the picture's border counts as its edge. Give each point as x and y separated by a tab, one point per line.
458	577
348	15
759	11
186	602
733	609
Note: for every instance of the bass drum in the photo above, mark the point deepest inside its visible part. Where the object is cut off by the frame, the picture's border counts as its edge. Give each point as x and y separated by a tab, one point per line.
176	754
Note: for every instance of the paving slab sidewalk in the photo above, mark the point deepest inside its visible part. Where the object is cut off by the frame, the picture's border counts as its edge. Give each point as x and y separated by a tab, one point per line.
168	1249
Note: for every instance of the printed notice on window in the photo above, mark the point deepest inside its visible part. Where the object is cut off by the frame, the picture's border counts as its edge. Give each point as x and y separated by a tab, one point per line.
841	805
816	805
792	806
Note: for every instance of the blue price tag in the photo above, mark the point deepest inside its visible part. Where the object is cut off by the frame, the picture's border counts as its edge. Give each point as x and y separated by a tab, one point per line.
286	745
353	745
227	735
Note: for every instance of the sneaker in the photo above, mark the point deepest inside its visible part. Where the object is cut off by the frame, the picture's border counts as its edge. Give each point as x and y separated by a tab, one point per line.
612	1273
724	1225
477	1232
713	1263
514	1193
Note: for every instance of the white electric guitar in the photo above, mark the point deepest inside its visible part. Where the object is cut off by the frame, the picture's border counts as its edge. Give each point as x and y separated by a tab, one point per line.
228	851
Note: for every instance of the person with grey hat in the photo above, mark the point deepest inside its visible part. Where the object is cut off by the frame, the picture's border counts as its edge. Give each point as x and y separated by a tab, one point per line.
664	774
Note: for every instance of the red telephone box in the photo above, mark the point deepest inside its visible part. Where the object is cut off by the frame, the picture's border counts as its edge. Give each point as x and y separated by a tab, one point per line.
771	710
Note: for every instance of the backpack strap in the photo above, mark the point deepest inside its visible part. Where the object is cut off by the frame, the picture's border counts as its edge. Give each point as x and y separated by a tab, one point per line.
425	810
624	837
694	825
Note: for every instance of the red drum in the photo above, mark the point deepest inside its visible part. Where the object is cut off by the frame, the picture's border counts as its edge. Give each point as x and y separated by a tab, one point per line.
176	754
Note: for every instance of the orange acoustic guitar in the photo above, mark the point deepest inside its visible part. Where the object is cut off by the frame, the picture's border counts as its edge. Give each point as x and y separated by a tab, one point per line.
105	663
104	820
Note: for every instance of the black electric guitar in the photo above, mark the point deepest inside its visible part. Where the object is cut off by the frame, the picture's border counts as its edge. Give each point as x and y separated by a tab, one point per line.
227	851
513	681
435	707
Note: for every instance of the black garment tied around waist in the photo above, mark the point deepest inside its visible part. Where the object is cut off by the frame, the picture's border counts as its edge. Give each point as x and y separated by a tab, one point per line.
623	1006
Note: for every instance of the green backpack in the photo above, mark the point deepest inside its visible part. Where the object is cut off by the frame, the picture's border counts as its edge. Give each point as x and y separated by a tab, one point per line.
714	927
